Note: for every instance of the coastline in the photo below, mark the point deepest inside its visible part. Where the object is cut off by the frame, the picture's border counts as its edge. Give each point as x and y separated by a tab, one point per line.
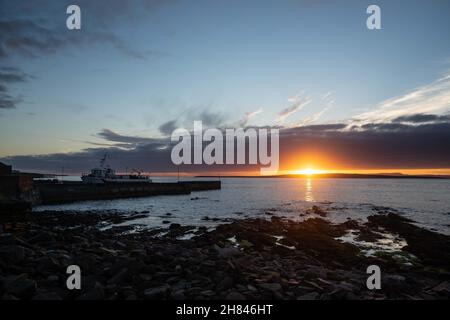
250	258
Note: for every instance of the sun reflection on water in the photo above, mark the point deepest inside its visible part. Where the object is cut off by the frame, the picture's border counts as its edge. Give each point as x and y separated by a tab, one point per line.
309	191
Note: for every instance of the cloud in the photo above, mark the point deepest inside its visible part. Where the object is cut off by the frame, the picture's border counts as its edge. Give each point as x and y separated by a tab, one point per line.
422	118
32	29
8	76
124	140
33	39
168	127
208	118
329	102
298	103
433	98
372	146
13	74
247	117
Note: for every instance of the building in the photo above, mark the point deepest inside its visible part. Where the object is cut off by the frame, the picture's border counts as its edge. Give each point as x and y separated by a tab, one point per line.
16	186
5	169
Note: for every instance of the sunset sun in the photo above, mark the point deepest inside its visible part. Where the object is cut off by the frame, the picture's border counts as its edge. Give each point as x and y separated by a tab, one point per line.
308	171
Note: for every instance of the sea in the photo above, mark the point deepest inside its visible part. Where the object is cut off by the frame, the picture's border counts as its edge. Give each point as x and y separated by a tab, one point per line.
426	201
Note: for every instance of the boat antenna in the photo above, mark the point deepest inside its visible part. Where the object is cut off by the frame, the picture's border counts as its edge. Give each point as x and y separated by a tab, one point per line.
102	161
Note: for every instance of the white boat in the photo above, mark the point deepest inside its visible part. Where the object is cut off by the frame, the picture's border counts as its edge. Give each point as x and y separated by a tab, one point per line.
104	174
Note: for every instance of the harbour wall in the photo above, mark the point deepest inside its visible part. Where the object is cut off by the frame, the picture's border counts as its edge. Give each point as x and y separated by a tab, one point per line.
51	193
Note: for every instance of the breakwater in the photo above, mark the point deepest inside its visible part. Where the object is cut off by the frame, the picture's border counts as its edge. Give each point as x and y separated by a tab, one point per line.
51	193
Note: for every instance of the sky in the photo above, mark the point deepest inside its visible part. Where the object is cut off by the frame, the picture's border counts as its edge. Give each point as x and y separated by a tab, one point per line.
345	97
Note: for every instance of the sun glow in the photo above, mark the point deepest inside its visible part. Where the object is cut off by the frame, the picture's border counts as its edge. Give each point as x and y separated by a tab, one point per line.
308	171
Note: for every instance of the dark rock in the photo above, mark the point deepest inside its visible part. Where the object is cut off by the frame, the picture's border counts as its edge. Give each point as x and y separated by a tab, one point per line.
47	264
157	292
443	287
7	239
316	210
270	286
52	278
207	293
225	284
174	226
308	296
178	295
20	286
119	277
235	296
97	293
8	297
47	296
13	253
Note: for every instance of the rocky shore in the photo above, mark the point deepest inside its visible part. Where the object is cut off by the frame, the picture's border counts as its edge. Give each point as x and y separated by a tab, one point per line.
271	258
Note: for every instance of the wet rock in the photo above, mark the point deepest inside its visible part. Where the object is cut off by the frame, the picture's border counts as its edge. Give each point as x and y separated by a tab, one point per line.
43	237
97	293
119	277
271	286
225	284
309	296
443	287
207	293
395	285
9	297
234	295
316	210
20	286
174	226
7	239
430	247
143	264
178	295
47	264
52	278
13	253
156	293
52	296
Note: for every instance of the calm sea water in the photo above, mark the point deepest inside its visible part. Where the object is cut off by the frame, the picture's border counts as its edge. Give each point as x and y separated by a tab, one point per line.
424	201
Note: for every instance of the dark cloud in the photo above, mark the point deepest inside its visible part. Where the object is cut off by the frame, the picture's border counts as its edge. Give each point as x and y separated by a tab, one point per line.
376	146
372	147
32	39
33	29
168	127
422	118
126	141
8	76
212	119
12	74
